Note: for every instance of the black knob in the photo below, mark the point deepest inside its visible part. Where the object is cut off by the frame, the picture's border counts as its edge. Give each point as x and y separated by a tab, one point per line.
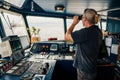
47	65
44	71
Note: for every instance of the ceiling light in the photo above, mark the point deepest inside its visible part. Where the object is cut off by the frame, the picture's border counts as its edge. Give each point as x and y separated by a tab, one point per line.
59	8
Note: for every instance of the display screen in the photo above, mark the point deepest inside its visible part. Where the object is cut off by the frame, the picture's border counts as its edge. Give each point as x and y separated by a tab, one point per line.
25	42
15	45
17	56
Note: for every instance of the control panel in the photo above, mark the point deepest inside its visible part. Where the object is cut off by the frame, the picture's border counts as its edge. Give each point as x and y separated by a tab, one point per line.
48	46
40	63
53	47
60	57
40	70
19	68
5	66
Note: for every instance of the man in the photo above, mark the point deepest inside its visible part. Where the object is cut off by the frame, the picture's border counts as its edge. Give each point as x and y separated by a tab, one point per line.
87	42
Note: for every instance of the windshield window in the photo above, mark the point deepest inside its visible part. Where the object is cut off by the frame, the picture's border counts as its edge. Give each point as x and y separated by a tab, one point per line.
49	27
13	24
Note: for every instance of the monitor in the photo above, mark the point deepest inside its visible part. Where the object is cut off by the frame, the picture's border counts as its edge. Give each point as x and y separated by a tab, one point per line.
108	41
103	53
15	45
17	56
10	45
25	42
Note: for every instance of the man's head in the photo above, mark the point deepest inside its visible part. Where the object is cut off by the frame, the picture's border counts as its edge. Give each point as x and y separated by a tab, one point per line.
90	17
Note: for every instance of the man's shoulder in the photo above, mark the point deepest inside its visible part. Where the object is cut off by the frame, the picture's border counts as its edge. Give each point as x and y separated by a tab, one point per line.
82	30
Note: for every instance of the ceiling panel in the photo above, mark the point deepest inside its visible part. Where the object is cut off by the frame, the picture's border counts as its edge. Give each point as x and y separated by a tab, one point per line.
73	6
17	3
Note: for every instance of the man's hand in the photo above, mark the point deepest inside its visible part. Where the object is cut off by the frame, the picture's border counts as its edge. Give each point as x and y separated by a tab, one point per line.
76	20
68	36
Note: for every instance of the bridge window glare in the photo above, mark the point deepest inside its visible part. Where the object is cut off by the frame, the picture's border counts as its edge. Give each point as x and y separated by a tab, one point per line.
13	24
103	25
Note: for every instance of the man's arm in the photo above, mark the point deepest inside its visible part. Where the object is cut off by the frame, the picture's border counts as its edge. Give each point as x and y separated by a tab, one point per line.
68	36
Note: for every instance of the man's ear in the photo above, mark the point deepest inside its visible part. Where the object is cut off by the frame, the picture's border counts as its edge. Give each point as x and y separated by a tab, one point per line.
85	19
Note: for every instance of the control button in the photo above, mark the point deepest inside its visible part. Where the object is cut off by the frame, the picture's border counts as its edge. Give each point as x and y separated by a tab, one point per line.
47	65
44	71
